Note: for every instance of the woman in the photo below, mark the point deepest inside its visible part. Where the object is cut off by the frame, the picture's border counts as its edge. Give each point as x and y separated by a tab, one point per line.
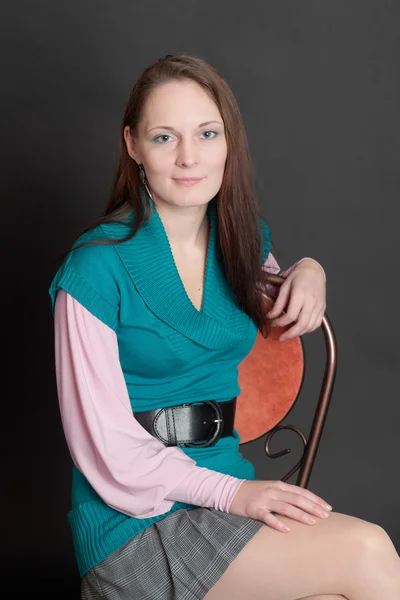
155	306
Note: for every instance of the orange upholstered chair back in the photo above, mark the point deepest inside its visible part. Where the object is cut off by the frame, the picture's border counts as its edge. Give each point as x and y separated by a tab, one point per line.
270	379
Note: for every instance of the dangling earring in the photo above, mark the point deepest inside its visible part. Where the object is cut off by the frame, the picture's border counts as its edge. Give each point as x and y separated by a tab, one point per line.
142	176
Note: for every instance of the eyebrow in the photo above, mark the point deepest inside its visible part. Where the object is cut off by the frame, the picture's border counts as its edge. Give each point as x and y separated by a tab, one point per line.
172	129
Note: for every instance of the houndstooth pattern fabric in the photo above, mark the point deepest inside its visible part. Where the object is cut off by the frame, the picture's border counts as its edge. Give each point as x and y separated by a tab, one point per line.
180	557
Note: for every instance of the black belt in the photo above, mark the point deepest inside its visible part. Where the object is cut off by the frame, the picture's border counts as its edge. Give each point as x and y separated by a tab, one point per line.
189	423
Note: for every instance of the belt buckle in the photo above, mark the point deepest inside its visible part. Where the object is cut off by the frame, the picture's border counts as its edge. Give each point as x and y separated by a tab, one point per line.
218	429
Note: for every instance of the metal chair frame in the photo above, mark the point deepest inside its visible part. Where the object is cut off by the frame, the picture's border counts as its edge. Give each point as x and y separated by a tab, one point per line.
306	462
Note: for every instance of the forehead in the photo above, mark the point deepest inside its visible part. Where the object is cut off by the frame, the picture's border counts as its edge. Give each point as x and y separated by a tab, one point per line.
179	102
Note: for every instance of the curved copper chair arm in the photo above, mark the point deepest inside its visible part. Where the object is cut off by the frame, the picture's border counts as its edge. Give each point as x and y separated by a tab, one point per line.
311	446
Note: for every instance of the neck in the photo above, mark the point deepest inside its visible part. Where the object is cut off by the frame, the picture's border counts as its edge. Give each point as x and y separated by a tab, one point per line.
186	226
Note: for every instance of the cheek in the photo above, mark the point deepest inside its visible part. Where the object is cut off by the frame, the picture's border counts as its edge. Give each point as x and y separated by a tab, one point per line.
222	155
216	159
157	163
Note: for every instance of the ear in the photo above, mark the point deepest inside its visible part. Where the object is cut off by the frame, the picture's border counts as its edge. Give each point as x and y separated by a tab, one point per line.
131	145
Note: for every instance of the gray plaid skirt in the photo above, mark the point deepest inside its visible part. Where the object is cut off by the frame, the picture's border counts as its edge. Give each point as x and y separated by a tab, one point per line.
180	557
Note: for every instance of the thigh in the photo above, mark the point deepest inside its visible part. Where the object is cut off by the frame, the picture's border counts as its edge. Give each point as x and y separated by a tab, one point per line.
310	560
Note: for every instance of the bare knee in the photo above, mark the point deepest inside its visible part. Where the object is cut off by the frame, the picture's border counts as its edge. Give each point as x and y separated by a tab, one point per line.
377	558
374	540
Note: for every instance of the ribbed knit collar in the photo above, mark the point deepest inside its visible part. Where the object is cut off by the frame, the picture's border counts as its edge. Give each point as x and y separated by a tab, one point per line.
150	263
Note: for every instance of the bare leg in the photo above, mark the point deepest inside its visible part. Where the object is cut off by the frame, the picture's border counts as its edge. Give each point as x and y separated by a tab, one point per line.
341	556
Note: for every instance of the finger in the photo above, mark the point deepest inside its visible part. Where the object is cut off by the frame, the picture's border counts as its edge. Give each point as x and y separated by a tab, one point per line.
280	302
298	329
303	325
315	321
304	505
292	312
287	509
264	515
290	487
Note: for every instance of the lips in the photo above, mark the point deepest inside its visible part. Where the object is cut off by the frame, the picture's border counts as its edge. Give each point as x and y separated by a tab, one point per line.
188	179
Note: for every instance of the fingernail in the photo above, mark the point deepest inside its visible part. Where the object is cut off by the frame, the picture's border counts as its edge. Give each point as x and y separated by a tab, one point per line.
328	506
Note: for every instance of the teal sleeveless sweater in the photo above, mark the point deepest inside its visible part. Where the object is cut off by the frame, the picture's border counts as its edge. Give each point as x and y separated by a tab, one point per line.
170	353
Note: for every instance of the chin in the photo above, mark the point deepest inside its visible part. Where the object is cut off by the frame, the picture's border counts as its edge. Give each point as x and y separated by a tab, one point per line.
186	200
190	202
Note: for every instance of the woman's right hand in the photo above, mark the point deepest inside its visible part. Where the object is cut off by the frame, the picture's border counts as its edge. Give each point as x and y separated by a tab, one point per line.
260	499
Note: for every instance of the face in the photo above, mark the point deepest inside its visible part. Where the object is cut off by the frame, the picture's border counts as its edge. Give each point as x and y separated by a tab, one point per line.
180	136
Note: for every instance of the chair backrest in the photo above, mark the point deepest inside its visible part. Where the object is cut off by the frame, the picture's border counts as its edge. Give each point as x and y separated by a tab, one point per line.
270	379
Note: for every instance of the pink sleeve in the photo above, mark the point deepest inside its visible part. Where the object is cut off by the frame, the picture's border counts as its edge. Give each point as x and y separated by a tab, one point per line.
130	469
272	266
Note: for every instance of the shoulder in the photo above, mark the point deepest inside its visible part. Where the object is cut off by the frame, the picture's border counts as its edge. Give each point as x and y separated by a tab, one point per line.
93	253
90	273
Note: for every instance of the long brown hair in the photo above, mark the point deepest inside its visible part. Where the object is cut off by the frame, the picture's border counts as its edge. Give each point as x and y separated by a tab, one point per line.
238	209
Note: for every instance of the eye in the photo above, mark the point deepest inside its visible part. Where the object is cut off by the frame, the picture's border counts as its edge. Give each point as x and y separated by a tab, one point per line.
165	137
212	132
159	138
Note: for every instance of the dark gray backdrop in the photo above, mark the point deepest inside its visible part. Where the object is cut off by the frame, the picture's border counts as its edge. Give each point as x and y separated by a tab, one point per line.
318	85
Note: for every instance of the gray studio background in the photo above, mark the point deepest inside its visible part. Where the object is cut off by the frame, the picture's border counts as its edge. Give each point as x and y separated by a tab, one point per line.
318	86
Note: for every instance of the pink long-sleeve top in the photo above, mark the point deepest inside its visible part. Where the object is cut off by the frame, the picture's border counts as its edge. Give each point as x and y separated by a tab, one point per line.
104	438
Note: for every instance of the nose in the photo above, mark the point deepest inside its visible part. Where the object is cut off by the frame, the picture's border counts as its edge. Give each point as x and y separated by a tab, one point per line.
187	153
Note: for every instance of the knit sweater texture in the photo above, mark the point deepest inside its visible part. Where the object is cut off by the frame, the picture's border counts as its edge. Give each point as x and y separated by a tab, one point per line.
170	352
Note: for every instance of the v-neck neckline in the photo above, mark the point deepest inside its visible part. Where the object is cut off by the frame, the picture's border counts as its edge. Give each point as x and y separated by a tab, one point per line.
148	259
210	245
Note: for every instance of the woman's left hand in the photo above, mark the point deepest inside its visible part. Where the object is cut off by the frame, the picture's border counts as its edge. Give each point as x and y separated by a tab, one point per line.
304	294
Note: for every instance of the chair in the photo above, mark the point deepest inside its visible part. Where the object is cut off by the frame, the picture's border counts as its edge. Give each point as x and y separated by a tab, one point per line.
271	378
